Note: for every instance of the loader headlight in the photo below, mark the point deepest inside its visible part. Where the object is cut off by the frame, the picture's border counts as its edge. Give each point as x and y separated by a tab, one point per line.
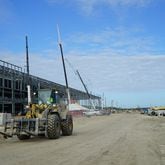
54	105
27	107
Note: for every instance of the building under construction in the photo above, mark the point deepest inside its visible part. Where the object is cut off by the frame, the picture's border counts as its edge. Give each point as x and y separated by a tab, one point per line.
13	89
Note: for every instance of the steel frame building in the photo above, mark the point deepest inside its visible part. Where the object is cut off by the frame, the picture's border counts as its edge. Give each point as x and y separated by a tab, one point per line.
13	89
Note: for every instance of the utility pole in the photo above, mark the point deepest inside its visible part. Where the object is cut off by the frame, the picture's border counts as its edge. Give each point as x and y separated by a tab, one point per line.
27	69
27	56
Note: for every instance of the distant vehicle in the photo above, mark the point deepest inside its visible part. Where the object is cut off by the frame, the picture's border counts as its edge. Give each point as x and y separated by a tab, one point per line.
157	111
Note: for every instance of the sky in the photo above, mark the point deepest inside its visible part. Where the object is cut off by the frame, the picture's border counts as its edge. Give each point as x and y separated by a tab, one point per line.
117	45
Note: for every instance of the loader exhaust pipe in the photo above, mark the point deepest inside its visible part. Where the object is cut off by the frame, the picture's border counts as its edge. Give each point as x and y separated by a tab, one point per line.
29	94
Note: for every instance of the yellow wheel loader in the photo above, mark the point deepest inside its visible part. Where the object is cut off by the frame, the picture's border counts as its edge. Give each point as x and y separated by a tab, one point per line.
49	117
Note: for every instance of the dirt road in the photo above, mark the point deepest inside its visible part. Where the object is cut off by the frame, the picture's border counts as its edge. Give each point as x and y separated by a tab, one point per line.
119	139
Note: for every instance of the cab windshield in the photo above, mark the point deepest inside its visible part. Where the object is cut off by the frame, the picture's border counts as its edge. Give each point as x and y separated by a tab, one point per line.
48	97
43	96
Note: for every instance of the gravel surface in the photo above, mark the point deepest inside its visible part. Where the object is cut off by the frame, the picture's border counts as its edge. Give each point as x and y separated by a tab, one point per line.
118	139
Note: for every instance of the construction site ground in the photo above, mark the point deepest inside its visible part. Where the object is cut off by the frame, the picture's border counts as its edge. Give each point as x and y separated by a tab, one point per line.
118	139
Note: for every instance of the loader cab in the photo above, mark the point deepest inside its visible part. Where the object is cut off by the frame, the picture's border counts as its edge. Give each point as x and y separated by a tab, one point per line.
49	96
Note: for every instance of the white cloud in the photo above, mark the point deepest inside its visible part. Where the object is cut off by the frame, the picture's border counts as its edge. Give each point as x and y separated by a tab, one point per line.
90	6
106	73
123	73
106	58
127	2
128	41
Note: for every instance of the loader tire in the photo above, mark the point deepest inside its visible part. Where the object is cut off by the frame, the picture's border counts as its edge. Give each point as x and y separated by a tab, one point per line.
54	128
67	126
23	137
